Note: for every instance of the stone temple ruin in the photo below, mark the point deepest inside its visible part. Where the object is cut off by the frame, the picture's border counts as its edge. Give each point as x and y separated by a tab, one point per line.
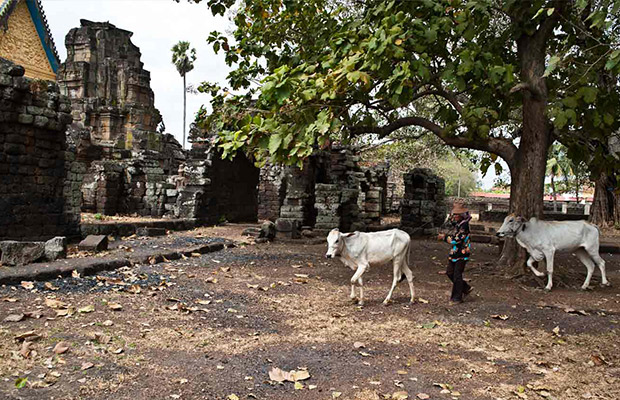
90	143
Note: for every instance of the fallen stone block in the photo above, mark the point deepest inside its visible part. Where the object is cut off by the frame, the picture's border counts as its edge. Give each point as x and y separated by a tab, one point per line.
150	231
21	253
251	232
56	248
94	243
267	230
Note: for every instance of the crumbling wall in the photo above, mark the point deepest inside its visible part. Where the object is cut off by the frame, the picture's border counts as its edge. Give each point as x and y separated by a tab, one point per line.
123	163
423	206
271	191
213	190
109	88
35	203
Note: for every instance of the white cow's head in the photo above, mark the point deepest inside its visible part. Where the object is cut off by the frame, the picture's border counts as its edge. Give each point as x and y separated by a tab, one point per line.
335	242
511	226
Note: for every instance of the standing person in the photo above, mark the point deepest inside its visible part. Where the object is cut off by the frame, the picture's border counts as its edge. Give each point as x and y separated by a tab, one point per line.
459	253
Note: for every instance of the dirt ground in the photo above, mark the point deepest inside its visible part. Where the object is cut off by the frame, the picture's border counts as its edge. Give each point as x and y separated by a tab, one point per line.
214	326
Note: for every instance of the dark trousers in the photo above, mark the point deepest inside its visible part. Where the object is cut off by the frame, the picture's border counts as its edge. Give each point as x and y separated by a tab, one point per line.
455	273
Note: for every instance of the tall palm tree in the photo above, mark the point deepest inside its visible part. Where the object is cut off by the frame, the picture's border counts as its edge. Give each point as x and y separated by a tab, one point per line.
183	58
553	171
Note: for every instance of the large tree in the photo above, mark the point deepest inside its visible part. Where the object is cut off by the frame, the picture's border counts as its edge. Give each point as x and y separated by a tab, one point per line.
493	73
183	59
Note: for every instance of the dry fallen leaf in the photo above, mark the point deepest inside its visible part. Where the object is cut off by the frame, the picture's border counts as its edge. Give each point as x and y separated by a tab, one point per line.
26	349
300	375
75	274
211	280
402	395
55	304
115	306
50	286
14	318
87	309
135	289
86	365
27	335
423	396
61	347
335	395
277	375
298	386
27	285
233	397
9	299
358	345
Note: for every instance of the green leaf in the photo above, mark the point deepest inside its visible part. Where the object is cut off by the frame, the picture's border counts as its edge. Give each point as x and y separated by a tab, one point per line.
275	140
20	382
588	94
614	59
553	63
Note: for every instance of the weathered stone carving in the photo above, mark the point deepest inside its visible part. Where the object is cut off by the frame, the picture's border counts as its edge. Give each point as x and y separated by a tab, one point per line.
108	87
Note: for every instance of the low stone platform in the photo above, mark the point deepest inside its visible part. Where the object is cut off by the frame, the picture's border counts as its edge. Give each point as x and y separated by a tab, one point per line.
93	265
119	229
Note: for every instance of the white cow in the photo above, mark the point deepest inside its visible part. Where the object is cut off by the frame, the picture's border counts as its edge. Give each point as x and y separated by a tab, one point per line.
542	239
360	250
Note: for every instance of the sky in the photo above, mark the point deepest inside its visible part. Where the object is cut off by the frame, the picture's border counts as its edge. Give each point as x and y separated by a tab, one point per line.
156	25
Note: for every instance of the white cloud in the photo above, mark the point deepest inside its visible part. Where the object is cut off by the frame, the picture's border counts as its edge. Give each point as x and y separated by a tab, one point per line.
157	25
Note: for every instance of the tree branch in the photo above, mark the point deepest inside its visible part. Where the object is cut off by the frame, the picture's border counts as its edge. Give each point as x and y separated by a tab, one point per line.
502	147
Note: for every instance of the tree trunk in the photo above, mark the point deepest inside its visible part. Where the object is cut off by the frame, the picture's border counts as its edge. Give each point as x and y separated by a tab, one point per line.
527	173
606	204
184	108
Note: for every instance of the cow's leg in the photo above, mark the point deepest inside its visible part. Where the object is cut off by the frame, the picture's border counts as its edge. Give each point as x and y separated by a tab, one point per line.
352	292
593	253
357	277
405	269
396	263
361	268
587	261
361	283
530	263
549	262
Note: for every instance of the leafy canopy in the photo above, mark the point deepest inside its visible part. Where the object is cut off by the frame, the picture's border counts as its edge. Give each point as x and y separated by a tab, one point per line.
317	71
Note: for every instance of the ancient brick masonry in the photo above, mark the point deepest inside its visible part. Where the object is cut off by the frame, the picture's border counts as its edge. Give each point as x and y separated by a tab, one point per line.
109	88
423	206
271	191
35	204
121	163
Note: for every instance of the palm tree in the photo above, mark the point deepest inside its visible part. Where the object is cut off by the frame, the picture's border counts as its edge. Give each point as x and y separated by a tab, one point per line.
183	58
553	171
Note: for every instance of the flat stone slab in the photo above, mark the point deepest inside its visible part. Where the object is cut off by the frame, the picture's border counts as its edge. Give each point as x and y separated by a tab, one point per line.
93	265
21	253
94	243
151	231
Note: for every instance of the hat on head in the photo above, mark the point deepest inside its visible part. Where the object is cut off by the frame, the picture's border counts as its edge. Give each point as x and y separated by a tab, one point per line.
459	208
